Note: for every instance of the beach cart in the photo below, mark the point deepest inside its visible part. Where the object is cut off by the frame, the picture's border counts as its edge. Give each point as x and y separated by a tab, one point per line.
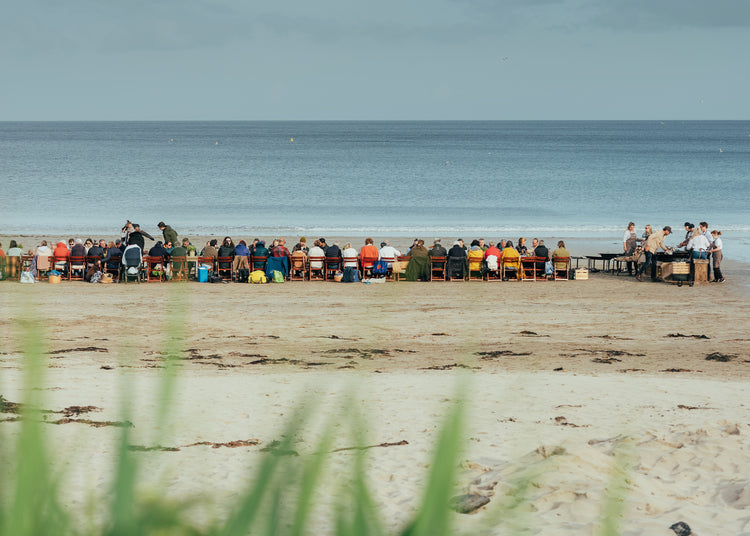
676	272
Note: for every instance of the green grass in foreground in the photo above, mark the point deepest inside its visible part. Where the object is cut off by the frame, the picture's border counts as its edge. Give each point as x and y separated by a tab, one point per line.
282	492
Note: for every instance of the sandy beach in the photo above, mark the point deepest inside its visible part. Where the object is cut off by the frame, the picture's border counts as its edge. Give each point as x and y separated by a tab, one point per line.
564	379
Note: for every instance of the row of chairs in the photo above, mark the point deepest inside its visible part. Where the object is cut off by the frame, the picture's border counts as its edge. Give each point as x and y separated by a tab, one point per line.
157	269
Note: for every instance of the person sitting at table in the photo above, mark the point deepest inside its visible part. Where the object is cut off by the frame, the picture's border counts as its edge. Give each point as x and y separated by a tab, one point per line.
387	251
521	247
350	256
13	259
334	254
475	256
511	259
241	255
317	251
210	249
542	252
560	252
491	256
419	263
43	250
226	250
368	254
437	249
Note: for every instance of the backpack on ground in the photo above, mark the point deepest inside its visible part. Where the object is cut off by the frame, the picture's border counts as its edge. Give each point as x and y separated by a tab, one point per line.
243	274
351	275
257	276
380	269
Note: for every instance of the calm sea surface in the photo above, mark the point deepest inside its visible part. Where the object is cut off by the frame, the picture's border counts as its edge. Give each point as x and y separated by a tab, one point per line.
427	179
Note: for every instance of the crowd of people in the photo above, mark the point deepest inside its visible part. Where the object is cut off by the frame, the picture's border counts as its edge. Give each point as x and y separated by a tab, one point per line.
240	256
699	243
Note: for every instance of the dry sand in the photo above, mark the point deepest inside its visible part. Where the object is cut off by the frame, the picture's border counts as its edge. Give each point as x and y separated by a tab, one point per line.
655	373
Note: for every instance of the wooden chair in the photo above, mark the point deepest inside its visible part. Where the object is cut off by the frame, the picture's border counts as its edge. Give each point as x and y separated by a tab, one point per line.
528	268
333	265
399	267
298	268
258	263
437	269
316	268
224	268
389	262
561	268
178	269
475	267
77	268
456	268
43	264
511	268
94	261
112	266
494	273
365	265
155	269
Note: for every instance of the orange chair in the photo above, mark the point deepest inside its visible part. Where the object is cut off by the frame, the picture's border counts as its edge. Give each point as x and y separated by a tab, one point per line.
437	268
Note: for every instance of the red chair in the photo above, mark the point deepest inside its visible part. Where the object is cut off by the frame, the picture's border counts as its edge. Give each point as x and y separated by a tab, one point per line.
528	268
511	268
259	263
389	263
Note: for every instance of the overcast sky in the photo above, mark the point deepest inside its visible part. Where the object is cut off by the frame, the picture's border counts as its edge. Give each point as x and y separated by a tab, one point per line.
384	59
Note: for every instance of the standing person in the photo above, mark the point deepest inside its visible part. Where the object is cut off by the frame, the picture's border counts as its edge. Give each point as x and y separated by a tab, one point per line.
716	255
136	236
654	242
647	231
689	228
698	245
704	230
629	241
170	235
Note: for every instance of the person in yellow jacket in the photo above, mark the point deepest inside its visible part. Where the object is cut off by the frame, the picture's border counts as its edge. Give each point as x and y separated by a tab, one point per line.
511	259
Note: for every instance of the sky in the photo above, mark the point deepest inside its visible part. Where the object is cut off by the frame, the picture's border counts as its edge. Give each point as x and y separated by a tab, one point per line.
376	60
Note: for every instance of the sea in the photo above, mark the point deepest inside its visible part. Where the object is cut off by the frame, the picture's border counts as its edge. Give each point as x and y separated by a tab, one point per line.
469	179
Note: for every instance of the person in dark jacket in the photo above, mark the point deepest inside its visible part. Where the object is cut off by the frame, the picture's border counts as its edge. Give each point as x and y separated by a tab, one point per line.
226	250
438	250
170	235
260	251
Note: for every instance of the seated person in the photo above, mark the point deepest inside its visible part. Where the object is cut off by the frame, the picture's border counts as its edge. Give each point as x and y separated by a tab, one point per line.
241	254
159	252
316	251
542	252
475	256
210	250
43	250
13	259
226	250
419	263
368	254
388	252
437	249
350	256
492	255
333	255
561	252
61	253
511	258
114	254
260	251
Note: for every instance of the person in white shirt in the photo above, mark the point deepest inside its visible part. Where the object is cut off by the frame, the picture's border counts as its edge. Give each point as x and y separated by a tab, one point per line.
350	256
698	245
388	252
316	251
43	250
703	226
716	255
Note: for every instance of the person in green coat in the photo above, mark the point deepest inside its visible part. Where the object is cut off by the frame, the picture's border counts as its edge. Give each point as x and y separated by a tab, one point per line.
170	235
419	263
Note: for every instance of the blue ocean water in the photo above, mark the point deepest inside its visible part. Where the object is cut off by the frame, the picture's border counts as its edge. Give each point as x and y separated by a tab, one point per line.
498	178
